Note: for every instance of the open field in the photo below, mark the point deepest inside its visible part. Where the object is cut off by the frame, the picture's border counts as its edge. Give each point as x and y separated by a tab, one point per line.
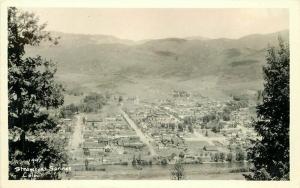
156	172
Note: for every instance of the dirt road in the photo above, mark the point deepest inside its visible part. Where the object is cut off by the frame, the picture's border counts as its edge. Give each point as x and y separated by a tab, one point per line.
143	138
77	136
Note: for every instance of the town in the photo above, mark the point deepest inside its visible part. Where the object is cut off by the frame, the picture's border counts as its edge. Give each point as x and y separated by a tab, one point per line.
186	127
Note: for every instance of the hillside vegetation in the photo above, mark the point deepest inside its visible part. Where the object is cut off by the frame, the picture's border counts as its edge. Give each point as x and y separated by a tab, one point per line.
150	68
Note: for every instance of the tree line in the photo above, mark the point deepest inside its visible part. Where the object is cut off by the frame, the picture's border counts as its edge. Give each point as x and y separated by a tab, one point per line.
93	102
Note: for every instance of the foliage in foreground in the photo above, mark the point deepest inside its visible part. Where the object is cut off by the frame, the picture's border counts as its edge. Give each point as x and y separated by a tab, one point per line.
33	97
270	154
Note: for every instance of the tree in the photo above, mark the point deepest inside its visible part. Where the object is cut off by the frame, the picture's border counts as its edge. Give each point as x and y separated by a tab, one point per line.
191	129
172	156
172	126
164	161
86	164
134	161
240	155
270	153
177	172
33	97
222	156
214	129
206	133
181	155
180	127
216	157
226	117
139	159
229	157
120	99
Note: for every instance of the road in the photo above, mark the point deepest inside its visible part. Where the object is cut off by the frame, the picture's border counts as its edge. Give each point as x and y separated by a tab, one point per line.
143	138
77	136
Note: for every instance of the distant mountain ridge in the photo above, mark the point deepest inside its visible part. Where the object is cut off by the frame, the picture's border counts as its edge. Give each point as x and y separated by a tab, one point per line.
108	63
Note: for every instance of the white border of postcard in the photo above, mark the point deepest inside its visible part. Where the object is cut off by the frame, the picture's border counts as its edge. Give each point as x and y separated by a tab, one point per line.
294	12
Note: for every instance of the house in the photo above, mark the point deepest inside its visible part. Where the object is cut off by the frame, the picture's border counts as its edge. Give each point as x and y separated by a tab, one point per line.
93	120
103	140
136	145
210	150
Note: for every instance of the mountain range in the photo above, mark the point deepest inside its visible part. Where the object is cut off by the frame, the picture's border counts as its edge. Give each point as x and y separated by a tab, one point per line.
151	68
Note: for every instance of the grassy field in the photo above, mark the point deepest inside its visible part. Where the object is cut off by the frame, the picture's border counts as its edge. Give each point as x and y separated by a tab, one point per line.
220	171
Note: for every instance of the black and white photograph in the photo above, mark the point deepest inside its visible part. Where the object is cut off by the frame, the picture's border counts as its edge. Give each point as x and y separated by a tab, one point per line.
96	93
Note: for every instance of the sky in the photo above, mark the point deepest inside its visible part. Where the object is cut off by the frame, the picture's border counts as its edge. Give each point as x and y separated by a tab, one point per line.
140	24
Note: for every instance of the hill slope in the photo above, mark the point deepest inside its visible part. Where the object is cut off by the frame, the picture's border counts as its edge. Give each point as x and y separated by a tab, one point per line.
107	63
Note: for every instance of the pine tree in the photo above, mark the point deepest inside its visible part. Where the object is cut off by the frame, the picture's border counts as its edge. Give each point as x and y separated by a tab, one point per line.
177	172
33	95
270	153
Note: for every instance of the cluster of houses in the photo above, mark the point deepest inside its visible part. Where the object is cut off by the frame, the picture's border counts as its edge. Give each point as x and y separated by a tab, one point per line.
110	140
160	123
